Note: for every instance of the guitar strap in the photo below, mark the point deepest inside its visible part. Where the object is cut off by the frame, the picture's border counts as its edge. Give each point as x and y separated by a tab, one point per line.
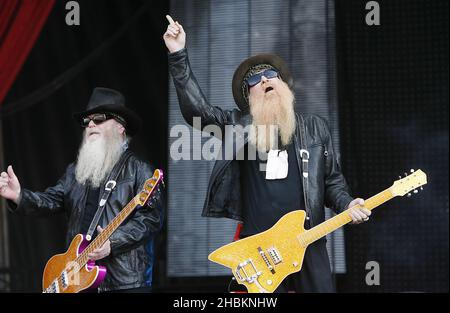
305	161
109	186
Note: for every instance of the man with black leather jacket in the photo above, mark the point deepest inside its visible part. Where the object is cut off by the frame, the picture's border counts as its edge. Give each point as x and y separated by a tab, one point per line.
297	172
128	254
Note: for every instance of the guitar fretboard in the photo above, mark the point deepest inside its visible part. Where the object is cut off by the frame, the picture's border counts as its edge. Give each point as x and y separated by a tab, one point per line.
340	219
108	231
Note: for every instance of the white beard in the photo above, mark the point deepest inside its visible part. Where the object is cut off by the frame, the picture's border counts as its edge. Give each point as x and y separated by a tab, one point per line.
97	158
273	118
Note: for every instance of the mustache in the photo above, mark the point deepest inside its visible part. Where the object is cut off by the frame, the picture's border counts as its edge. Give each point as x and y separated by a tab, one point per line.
90	132
268	87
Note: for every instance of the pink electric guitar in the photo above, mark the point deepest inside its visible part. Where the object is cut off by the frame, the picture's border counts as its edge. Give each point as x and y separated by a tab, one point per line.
72	271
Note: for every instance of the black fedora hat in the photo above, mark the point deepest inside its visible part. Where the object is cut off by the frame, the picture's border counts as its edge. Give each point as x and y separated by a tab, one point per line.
239	86
105	100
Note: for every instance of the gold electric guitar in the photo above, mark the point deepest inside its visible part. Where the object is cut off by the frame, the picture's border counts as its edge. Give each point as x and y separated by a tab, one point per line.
262	261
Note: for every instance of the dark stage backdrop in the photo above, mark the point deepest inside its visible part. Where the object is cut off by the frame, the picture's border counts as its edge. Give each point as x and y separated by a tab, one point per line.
41	139
393	96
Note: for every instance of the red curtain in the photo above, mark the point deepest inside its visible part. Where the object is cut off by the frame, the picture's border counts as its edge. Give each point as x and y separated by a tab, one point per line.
20	24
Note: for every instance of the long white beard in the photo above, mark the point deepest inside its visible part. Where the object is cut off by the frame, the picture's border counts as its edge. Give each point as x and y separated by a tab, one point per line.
273	118
97	158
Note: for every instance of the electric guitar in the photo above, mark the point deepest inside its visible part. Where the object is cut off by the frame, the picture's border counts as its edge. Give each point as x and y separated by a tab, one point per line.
72	271
262	261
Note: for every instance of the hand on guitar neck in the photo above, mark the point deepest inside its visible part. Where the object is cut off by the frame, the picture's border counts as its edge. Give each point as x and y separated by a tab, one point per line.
102	252
9	185
358	212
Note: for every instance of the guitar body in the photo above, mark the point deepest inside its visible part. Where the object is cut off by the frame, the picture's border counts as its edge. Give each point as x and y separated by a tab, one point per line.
262	261
63	275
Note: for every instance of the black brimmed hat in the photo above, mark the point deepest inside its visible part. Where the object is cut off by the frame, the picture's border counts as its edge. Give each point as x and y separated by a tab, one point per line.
105	100
266	60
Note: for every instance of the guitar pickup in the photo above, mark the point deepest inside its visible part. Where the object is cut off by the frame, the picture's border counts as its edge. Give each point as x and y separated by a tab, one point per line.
64	280
275	255
53	288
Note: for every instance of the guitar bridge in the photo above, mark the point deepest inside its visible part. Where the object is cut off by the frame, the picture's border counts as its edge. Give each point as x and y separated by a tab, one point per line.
266	260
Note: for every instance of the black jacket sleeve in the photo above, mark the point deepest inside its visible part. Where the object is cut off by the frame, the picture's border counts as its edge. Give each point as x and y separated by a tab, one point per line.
193	102
144	221
337	195
42	203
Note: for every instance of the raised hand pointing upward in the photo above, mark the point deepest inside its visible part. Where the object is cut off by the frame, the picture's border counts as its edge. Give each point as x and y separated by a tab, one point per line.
174	37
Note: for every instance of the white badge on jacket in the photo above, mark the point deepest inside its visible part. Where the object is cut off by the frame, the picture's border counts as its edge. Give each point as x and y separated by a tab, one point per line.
277	164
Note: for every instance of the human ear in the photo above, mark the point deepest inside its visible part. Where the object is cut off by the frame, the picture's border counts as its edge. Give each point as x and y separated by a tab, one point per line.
121	129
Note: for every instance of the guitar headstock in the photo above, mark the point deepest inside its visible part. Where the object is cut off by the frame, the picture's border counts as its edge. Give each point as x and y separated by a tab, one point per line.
150	186
409	183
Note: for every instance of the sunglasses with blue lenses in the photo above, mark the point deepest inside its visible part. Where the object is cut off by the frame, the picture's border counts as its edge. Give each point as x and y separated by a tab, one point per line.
256	78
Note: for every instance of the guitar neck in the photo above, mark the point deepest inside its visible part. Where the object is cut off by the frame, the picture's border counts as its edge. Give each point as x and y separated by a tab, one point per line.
108	231
341	219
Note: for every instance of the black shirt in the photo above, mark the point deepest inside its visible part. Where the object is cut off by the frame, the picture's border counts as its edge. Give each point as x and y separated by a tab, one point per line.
266	201
92	202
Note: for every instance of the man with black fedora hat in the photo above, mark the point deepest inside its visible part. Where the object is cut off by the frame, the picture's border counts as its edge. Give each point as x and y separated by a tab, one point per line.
295	167
82	193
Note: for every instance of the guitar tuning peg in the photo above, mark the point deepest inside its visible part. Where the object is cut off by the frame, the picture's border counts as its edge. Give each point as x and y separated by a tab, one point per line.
400	176
409	195
412	170
406	174
421	188
416	191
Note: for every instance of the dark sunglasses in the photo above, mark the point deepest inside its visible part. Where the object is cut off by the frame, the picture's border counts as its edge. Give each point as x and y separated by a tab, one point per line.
97	119
256	78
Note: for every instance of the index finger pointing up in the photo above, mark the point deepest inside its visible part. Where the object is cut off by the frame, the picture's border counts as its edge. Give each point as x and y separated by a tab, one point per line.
171	21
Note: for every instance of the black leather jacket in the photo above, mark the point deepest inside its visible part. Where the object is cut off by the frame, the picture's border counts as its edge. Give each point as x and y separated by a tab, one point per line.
130	263
325	184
